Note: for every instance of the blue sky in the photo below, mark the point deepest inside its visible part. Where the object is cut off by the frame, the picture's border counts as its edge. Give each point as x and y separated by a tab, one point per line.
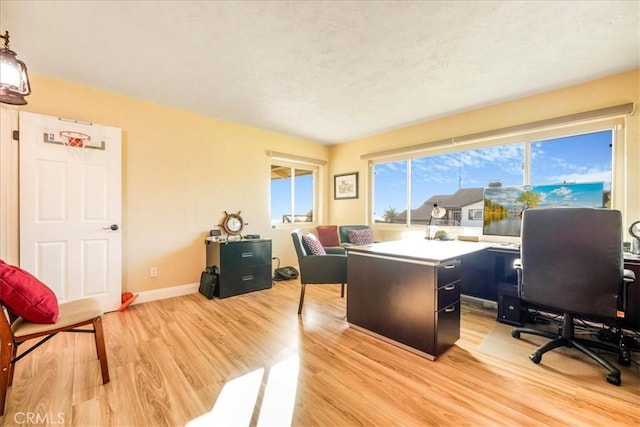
581	158
281	203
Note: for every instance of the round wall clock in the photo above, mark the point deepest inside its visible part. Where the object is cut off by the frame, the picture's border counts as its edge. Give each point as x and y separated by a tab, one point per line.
232	223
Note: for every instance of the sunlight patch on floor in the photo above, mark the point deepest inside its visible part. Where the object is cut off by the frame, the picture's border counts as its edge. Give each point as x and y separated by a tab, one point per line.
280	393
238	399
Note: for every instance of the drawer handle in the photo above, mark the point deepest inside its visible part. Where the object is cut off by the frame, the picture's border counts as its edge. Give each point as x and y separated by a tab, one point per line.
247	254
449	266
449	287
247	278
450	309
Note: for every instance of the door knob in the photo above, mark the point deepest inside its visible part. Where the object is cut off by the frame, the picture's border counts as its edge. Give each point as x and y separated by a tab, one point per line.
113	227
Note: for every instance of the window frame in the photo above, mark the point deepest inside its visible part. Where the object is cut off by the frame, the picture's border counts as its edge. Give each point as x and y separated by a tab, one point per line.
315	198
615	124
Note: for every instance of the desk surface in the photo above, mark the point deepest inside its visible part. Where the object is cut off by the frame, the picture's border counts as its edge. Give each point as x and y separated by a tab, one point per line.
438	251
515	247
430	251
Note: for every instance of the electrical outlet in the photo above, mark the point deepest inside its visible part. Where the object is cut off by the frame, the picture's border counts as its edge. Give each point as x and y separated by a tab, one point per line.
153	272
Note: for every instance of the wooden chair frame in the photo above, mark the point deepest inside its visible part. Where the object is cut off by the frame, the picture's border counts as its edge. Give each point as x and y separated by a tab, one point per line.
9	347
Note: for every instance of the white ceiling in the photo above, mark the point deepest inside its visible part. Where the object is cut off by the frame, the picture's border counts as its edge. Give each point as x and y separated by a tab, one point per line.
327	71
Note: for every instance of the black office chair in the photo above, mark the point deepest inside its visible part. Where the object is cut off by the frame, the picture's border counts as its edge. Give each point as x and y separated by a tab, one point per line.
572	263
330	268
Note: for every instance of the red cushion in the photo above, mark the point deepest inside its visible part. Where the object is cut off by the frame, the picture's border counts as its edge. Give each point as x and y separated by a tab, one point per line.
26	296
328	235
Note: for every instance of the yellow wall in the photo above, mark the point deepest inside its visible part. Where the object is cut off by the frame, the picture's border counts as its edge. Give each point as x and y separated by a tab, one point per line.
613	90
180	172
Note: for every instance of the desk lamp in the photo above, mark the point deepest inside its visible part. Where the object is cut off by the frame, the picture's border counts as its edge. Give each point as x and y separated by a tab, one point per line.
437	212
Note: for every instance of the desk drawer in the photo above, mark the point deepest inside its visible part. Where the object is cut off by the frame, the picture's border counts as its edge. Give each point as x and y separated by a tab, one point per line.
448	272
448	294
448	327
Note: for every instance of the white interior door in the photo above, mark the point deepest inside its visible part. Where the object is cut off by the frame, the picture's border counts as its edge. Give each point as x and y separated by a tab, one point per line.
70	207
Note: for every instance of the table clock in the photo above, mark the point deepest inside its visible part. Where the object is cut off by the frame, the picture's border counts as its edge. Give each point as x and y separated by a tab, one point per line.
232	223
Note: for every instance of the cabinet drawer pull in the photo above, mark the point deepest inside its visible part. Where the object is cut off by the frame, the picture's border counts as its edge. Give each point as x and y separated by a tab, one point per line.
247	254
449	266
247	278
450	287
450	309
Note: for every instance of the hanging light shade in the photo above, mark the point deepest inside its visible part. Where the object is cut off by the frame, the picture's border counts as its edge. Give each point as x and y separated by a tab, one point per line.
14	81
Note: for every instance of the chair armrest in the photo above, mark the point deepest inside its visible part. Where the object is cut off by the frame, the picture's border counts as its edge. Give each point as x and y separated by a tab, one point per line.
335	250
323	269
517	264
629	276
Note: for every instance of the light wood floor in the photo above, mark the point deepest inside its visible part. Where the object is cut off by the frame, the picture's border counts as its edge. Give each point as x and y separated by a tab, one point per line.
251	360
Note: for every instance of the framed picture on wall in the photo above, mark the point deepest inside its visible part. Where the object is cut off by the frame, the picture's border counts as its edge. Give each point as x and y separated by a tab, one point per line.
345	186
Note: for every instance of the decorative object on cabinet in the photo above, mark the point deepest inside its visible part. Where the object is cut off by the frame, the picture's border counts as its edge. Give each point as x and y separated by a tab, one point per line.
232	223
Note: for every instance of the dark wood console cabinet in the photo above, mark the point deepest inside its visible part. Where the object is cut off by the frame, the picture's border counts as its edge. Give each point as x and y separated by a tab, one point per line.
244	265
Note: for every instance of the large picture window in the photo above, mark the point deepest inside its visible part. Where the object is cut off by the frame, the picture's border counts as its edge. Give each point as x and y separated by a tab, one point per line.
404	191
292	193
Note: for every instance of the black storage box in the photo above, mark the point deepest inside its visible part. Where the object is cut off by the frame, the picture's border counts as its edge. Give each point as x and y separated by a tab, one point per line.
511	309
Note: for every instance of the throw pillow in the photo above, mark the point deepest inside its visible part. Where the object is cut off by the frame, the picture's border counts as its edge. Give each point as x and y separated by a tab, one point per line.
360	237
314	244
26	296
328	235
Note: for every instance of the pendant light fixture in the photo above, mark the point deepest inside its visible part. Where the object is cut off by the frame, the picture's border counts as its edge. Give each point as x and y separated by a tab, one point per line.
14	81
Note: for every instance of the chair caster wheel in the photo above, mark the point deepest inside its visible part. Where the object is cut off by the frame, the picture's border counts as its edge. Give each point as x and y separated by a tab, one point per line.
614	379
624	358
515	334
535	357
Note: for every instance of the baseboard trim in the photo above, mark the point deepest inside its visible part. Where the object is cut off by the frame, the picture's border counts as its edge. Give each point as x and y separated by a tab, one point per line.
164	293
484	303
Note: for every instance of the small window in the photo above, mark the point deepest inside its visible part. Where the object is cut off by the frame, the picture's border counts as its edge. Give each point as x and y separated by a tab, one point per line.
292	194
475	214
390	192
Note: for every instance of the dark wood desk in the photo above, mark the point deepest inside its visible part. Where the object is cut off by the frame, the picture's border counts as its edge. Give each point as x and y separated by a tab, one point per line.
487	272
408	292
